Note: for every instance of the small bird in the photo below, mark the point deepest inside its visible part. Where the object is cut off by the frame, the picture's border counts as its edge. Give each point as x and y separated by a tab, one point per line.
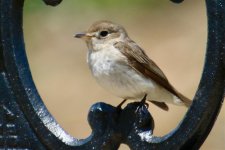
120	66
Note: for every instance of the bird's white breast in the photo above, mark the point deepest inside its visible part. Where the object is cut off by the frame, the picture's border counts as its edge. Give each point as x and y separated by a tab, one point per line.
112	72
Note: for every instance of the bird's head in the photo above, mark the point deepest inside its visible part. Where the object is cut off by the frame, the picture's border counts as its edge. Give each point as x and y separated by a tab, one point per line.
102	33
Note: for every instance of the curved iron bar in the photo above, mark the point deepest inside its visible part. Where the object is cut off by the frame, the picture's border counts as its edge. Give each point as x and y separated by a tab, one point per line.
52	2
177	1
26	123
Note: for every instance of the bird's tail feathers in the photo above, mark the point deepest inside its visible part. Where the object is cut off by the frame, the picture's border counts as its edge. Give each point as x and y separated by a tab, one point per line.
187	102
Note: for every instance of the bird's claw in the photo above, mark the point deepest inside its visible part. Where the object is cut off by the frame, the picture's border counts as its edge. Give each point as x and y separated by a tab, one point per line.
143	103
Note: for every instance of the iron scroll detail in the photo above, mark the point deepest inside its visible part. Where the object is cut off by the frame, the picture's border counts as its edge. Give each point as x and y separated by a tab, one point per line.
25	122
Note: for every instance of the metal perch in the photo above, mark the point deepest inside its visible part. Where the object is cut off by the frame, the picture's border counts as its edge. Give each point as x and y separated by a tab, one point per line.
25	122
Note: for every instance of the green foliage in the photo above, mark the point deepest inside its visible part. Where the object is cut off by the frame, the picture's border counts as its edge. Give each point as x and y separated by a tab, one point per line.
38	5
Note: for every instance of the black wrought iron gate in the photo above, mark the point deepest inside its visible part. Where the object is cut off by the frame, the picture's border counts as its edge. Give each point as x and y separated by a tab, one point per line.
25	123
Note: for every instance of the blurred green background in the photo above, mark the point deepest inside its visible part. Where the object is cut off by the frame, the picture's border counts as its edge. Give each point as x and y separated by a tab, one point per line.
173	35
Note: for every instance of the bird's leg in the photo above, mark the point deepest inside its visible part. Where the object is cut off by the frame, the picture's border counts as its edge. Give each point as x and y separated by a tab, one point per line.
143	101
120	105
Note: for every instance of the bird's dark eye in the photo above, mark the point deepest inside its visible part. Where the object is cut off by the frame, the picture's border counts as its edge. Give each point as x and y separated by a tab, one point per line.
104	33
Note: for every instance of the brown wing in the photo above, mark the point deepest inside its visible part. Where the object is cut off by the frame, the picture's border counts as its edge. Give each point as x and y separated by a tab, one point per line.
140	62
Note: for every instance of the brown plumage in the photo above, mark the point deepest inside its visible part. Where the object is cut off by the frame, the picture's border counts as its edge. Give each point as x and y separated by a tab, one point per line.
140	62
123	68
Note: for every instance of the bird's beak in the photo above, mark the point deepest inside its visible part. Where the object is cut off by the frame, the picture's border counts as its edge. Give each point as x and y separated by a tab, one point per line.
83	35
